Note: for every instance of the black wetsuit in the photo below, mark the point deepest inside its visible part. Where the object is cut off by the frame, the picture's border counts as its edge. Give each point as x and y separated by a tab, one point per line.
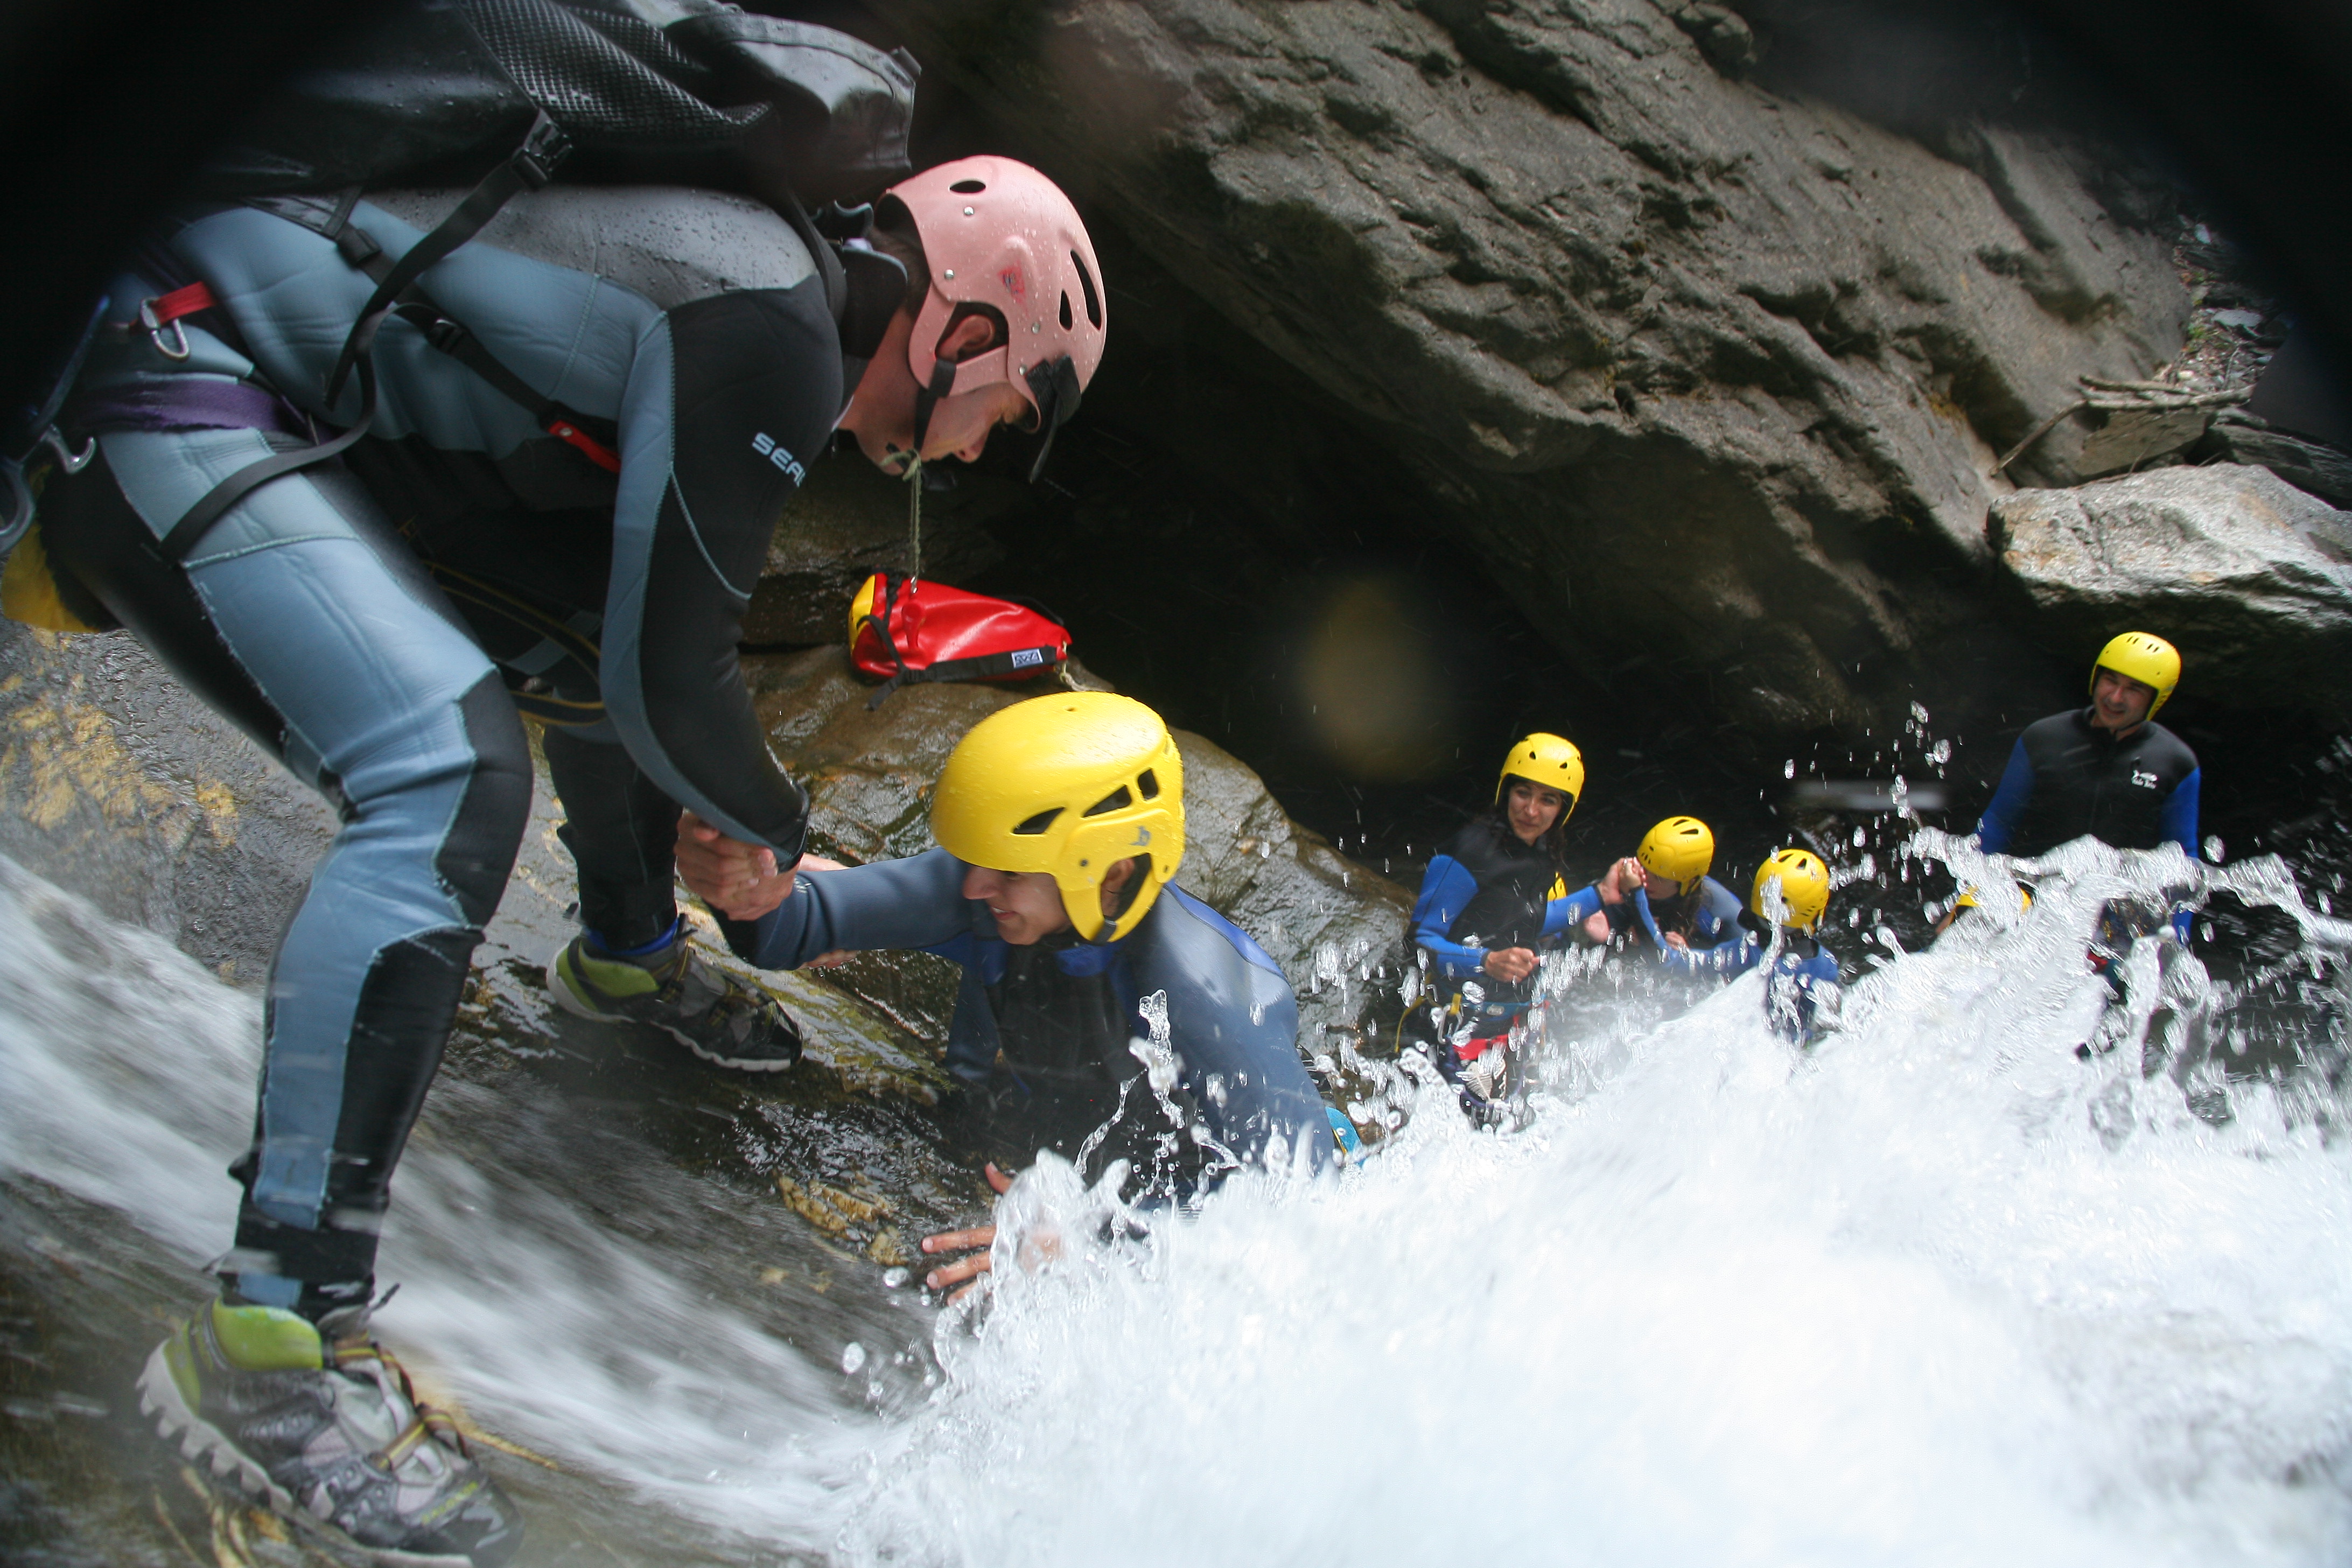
2066	777
1485	890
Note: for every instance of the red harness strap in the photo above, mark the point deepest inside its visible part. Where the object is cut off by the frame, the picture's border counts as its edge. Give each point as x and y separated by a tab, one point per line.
166	309
598	453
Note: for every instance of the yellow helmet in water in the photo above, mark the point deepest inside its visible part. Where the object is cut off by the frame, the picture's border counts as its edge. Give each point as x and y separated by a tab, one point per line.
1547	760
1804	884
1070	785
1680	848
2147	658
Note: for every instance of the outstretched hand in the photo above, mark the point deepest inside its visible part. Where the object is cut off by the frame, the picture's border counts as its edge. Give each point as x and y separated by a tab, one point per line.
740	881
1617	884
964	1272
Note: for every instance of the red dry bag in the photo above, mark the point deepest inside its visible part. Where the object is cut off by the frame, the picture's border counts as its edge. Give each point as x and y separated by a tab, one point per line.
911	630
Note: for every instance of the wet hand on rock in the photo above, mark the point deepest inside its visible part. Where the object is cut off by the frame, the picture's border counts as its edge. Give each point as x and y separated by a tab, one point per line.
1039	1246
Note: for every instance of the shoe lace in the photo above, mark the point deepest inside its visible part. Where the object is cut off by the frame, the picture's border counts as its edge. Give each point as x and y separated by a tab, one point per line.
362	1356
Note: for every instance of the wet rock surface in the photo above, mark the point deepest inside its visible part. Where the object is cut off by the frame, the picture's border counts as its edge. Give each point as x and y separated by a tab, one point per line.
1667	352
2252	574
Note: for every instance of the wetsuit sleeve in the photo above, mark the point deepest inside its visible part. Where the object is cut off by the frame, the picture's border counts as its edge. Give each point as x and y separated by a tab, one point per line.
1729	955
1562	916
1233	1018
1446	889
916	902
2178	822
727	397
1996	829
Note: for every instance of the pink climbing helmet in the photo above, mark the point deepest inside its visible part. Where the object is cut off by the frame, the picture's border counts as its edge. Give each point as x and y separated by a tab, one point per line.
995	232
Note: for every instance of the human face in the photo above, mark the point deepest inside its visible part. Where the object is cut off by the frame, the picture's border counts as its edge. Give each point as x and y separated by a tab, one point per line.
2119	703
1027	905
1533	809
881	412
1659	887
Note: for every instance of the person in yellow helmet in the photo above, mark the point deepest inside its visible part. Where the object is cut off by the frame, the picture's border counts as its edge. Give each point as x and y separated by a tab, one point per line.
1802	993
1492	898
1675	906
1060	824
2108	770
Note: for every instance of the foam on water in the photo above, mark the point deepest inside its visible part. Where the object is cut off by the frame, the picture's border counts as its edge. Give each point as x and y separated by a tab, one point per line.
127	1077
1937	1291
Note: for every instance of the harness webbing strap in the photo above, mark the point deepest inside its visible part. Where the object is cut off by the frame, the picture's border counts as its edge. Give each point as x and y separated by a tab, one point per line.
180	541
169	307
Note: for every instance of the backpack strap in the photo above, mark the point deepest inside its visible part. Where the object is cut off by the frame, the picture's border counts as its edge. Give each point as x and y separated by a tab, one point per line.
532	164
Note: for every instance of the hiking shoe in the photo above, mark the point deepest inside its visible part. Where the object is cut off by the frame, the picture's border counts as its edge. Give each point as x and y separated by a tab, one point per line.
718	1018
325	1425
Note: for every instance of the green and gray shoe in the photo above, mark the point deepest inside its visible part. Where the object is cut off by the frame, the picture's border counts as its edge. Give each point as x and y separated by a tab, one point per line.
717	1016
325	1425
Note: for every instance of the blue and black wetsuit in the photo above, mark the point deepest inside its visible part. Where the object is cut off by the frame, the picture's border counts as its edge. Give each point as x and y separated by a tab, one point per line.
1041	1032
2067	778
1485	890
346	616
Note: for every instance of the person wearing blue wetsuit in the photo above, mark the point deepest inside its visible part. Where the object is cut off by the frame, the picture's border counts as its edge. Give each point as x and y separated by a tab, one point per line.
565	454
1061	822
1688	920
1491	899
2108	771
1802	994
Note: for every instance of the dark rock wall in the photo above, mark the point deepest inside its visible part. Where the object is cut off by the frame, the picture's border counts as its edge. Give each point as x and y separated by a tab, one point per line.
1687	364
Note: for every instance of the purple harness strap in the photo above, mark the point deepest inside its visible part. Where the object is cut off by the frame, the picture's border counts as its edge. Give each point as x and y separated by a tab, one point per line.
190	402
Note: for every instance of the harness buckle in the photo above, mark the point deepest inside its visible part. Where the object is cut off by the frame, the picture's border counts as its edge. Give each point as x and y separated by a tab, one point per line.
543	150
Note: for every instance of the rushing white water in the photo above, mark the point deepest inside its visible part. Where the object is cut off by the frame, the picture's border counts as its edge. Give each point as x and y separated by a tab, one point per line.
1939	1290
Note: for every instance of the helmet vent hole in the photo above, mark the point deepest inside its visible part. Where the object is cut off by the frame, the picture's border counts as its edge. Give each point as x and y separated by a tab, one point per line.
1148	783
1094	303
1039	823
1115	800
969	188
1066	317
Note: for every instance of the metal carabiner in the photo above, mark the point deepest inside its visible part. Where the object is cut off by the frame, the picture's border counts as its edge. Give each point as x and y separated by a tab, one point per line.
155	331
70	461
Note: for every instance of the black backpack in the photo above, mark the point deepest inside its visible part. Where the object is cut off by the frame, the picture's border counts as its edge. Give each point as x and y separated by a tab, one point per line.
693	92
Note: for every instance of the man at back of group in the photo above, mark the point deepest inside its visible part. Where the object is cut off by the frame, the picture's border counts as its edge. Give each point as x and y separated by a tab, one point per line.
696	332
1061	822
2108	770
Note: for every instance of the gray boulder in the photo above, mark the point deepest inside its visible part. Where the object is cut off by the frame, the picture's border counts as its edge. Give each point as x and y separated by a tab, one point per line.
2252	577
1668	352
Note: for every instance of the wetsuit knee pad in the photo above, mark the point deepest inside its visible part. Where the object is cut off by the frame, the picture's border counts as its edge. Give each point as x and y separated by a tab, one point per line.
479	849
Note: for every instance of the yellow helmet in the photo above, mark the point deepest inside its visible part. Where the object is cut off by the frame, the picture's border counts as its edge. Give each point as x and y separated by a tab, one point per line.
1680	848
1069	785
1804	885
1547	760
2147	658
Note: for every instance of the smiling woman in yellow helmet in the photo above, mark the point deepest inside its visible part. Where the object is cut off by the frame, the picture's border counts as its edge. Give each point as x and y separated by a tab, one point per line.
1061	824
2108	770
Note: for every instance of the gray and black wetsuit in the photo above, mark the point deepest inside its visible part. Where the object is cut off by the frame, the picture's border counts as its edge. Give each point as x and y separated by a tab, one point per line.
1041	1033
689	327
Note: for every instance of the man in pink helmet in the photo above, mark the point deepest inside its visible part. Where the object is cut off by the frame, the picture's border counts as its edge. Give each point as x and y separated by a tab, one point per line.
587	420
1004	320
